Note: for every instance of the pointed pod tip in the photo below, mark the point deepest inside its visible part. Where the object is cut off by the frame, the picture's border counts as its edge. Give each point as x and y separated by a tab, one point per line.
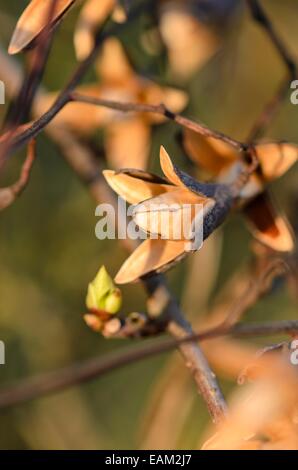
168	167
163	154
12	49
33	20
123	278
17	43
108	174
165	160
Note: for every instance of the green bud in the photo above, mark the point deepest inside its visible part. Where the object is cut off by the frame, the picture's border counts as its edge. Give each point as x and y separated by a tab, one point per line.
113	301
102	293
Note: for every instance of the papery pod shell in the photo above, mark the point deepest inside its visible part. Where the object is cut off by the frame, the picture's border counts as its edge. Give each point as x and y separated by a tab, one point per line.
150	257
34	20
179	178
212	155
168	168
276	159
170	214
268	225
135	189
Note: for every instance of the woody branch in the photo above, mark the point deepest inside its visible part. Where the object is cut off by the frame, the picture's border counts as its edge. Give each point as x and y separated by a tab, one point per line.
202	371
97	367
204	377
259	15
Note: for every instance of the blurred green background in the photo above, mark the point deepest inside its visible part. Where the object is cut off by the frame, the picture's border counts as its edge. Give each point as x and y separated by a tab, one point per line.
49	253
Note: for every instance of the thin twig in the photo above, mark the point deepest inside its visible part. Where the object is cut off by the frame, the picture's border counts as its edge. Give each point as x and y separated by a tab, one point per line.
162	110
177	326
195	359
272	107
76	77
9	195
86	168
255	290
271	348
269	112
69	96
88	172
260	16
52	382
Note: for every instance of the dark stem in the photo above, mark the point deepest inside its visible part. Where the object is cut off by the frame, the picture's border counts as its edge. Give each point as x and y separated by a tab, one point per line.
273	106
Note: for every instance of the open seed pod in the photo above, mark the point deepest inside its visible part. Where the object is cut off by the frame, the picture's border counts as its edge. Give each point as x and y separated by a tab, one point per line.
268	224
162	206
220	160
217	157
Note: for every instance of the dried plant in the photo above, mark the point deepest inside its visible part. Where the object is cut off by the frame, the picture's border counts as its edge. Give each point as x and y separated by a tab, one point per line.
233	176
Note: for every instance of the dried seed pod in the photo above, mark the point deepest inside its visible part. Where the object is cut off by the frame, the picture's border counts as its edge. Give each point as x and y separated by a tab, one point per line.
165	248
151	256
179	178
134	189
34	20
171	214
268	225
213	155
276	159
216	156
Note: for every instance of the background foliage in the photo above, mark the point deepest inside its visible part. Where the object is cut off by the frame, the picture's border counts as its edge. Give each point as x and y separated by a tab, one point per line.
49	253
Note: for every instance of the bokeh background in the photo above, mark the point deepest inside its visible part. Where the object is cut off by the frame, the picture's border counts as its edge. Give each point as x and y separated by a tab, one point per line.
49	253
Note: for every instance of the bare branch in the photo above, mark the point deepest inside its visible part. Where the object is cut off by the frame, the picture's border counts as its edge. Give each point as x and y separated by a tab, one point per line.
95	368
269	112
260	16
256	288
9	195
68	96
177	325
272	107
163	111
64	96
86	167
